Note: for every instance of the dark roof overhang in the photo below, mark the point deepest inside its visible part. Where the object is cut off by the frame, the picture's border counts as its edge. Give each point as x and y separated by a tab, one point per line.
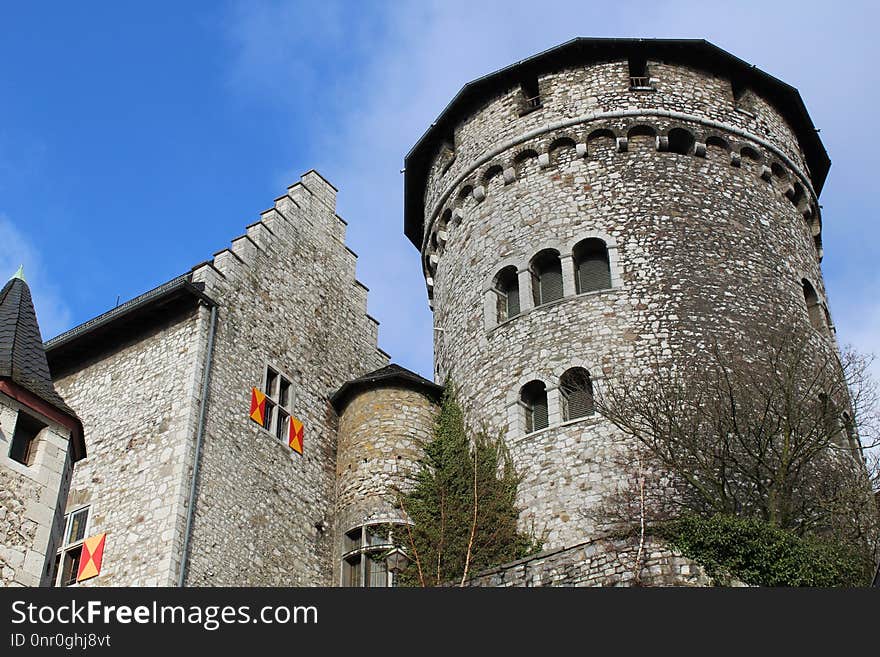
693	52
387	377
126	321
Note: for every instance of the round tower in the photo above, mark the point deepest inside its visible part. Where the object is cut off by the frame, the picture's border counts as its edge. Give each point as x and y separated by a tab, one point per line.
594	207
384	419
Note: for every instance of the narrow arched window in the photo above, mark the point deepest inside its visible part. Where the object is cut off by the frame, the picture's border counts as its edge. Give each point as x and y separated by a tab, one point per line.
576	393
507	293
546	277
814	307
533	398
592	270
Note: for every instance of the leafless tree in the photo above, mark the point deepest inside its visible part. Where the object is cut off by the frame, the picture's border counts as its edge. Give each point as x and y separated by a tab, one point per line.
783	431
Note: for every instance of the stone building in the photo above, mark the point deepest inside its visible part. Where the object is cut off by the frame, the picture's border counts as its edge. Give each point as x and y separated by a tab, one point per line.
608	204
598	205
40	440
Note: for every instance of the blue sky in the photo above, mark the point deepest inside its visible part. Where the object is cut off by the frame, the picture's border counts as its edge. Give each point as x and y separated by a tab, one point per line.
136	139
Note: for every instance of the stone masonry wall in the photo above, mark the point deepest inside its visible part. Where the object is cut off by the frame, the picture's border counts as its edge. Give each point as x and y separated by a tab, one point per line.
288	297
601	562
28	499
709	244
138	405
380	436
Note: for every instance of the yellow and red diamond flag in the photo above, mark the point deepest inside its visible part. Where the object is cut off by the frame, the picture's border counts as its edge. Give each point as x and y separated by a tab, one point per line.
258	406
91	557
296	435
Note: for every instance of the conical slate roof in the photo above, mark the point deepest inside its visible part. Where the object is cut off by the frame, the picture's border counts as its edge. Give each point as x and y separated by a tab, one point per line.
22	357
392	374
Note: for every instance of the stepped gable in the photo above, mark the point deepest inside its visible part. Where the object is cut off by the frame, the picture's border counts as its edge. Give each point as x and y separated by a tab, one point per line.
22	356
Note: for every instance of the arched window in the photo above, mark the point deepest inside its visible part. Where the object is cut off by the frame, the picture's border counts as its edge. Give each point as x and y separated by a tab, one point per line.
814	307
576	393
533	398
507	293
546	277
592	270
680	141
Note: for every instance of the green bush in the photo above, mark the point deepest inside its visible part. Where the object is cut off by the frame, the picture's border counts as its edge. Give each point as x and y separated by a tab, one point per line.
757	553
441	504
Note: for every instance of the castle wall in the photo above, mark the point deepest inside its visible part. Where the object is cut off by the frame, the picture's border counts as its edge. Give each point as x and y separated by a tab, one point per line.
381	432
708	244
138	405
602	562
288	298
596	89
29	497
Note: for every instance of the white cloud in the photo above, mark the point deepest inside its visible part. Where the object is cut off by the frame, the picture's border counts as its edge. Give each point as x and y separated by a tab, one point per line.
391	77
16	249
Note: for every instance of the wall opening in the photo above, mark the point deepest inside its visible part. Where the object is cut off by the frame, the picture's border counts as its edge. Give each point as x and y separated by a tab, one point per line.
576	394
546	277
592	270
24	439
533	399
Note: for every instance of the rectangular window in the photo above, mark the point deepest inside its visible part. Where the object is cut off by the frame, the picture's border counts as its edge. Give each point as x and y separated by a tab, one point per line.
24	439
364	555
351	571
639	79
68	557
279	399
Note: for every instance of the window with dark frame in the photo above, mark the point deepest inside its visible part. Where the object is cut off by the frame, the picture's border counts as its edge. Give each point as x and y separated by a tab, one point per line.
507	294
363	548
592	269
279	399
576	394
24	439
639	79
533	399
546	277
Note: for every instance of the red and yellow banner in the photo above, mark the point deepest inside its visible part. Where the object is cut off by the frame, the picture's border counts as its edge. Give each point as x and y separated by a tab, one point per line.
258	406
91	558
295	439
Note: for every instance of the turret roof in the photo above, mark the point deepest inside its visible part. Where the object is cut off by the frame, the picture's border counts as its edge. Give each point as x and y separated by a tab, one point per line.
22	356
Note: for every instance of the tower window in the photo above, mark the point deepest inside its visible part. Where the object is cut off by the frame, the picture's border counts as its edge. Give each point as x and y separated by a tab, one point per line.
814	306
24	439
576	392
533	398
507	293
531	95
364	548
592	270
279	399
638	74
546	277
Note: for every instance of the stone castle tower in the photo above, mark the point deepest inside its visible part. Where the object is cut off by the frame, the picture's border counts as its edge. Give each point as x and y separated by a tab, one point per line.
592	208
597	206
41	439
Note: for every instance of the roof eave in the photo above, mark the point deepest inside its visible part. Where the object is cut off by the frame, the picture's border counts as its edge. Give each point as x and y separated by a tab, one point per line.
417	160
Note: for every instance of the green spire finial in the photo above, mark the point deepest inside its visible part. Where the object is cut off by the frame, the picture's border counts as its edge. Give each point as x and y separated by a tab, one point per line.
20	273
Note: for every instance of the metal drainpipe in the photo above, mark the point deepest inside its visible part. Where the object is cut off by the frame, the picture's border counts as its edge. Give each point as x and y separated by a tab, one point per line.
200	433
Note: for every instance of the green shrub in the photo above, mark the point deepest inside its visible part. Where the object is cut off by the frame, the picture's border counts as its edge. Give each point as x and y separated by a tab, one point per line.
757	553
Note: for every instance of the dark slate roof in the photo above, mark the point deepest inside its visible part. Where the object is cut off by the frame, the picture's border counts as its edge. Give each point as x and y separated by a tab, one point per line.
119	324
22	357
693	52
390	375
